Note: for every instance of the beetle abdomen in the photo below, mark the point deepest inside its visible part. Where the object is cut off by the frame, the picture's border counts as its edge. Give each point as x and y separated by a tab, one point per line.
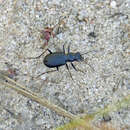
55	59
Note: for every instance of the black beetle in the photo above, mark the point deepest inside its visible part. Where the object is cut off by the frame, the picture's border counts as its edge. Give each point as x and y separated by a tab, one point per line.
57	59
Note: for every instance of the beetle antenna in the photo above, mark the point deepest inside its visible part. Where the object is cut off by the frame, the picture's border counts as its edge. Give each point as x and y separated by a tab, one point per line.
89	52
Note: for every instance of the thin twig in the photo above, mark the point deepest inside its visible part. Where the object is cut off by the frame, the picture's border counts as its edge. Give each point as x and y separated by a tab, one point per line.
44	102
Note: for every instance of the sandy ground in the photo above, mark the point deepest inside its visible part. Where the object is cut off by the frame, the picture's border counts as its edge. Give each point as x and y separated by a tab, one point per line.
102	78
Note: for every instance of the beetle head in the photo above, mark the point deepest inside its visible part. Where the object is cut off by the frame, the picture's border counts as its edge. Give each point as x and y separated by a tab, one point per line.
78	57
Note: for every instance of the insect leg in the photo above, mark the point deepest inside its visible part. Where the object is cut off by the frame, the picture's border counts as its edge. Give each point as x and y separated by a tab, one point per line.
37	56
57	68
68	49
49	51
69	71
73	66
45	73
64	49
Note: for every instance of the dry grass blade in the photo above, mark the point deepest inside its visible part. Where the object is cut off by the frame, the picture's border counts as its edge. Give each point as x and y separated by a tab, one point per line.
125	102
85	121
79	124
44	102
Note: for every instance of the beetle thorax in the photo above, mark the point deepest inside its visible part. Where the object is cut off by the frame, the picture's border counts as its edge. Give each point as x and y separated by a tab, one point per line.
73	57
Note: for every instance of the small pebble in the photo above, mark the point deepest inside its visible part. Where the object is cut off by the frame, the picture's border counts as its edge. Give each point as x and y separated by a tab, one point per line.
113	4
106	118
43	77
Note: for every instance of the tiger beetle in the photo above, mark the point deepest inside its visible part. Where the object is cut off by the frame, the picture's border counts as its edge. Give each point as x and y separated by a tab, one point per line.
57	59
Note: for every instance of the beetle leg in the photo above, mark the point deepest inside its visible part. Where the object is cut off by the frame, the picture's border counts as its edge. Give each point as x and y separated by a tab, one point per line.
67	67
73	66
68	49
49	51
63	49
57	68
37	56
45	73
69	71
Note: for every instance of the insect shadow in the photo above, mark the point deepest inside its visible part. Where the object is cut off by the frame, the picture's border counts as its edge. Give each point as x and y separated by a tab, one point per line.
57	59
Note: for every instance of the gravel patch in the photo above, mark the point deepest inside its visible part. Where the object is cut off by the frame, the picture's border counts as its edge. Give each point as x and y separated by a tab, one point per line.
102	78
